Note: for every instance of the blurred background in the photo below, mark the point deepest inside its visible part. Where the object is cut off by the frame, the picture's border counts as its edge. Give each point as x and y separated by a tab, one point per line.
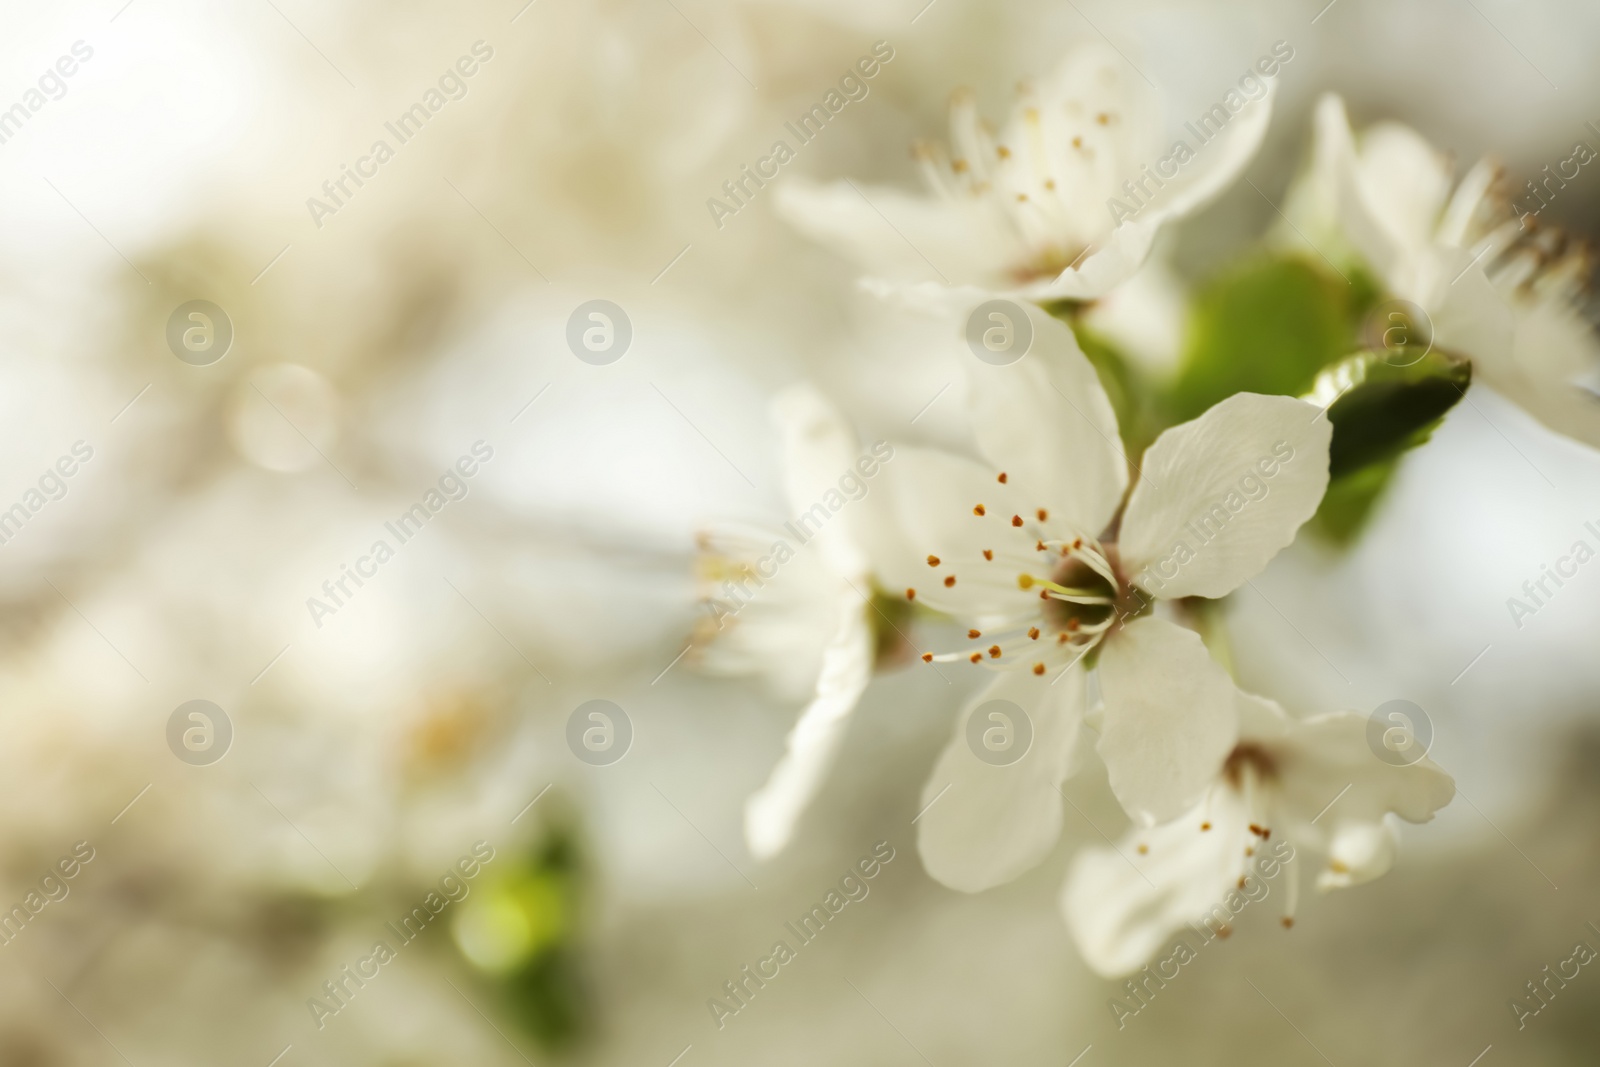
354	759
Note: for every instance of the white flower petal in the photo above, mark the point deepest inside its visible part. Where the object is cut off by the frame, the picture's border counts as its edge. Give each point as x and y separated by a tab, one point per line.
1046	421
993	823
1122	905
1169	720
1470	318
818	444
1121	252
825	464
771	813
900	235
1404	182
1338	178
1551	348
1360	852
1222	494
1327	760
776	627
1216	165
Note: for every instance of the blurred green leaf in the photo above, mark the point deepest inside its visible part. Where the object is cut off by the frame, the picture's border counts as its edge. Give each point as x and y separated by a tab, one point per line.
1268	325
1382	411
1133	397
524	934
1349	503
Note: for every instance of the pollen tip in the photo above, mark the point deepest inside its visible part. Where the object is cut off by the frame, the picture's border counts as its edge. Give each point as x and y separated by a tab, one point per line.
1287	921
994	651
927	657
1224	930
949	580
1144	850
979	510
911	594
933	561
1033	633
973	635
988	554
976	657
1205	826
1038	668
1002	478
1016	520
1043	514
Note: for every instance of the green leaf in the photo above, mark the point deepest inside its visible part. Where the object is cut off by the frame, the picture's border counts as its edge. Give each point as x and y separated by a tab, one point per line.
1268	325
1382	412
1349	503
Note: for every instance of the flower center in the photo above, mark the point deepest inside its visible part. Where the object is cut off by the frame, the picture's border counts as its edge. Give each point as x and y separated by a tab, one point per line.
1070	594
1249	759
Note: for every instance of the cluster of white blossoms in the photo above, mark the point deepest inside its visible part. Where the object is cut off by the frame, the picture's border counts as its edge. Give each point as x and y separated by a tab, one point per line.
1072	563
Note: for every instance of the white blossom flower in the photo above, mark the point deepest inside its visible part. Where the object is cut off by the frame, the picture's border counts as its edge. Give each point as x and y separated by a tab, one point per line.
1034	210
1035	550
1498	287
792	603
1312	782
